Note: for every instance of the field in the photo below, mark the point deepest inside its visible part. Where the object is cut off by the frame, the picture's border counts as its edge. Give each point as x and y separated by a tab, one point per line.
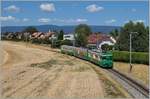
140	71
36	71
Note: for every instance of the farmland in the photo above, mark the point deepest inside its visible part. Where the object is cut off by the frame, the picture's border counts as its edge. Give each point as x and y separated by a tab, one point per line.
34	71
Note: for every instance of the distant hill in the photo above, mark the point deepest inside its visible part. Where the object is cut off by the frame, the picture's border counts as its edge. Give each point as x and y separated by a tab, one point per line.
67	29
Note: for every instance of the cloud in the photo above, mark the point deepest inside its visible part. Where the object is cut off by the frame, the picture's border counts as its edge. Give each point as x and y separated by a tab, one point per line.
7	18
94	8
25	19
110	21
133	10
47	7
12	8
81	20
44	20
135	21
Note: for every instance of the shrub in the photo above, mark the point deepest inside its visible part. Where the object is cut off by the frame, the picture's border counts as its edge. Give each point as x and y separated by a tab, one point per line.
56	43
137	57
107	47
66	42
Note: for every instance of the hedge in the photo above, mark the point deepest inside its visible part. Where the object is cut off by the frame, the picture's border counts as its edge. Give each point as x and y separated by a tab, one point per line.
137	57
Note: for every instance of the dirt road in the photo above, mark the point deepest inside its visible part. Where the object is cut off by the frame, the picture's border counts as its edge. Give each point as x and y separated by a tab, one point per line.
32	72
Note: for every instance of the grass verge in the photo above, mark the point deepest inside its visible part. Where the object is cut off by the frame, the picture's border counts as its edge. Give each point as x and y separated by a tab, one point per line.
112	88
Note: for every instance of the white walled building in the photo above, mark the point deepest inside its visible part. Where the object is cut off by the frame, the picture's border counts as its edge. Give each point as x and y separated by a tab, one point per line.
68	37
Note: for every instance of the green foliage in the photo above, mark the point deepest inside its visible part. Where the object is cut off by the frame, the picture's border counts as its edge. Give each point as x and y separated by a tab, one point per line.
107	47
83	28
30	29
82	31
114	34
60	35
40	41
140	41
137	57
56	43
66	42
81	39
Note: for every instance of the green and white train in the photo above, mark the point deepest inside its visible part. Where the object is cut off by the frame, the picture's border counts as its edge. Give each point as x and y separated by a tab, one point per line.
104	59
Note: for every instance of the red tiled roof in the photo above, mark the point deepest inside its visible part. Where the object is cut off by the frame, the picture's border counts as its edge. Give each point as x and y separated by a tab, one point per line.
94	38
49	34
37	34
42	35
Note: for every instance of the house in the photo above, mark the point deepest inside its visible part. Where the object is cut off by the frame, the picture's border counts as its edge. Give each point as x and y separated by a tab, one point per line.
96	40
10	36
50	35
68	37
37	35
53	36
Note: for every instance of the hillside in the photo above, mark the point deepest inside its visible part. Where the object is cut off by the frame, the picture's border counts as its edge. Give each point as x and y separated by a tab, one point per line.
67	29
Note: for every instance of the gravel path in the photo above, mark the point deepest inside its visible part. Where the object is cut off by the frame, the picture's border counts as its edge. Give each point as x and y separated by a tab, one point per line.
27	74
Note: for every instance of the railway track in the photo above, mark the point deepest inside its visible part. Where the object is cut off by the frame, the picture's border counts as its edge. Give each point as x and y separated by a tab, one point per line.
135	89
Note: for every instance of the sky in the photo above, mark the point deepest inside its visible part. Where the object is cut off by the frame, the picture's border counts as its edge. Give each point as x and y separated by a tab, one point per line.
106	13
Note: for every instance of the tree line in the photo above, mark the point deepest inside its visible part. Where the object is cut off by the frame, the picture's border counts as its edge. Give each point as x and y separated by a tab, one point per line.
140	40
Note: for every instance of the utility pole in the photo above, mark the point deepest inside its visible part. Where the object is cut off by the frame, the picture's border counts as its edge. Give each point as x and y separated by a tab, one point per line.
74	41
97	40
52	42
26	34
131	50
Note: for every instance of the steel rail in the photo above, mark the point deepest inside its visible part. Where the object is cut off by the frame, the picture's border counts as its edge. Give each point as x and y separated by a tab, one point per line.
139	87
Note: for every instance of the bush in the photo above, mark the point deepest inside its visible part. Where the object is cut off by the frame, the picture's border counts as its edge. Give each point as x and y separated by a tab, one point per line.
56	44
107	47
67	42
137	57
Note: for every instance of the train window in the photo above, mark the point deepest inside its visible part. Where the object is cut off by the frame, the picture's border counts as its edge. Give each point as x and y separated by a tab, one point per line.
107	57
103	57
96	56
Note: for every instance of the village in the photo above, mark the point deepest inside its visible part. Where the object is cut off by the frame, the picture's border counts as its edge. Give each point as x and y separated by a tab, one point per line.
95	40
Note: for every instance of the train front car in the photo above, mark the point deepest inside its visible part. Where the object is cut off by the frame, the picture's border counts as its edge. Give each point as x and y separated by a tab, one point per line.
104	60
107	60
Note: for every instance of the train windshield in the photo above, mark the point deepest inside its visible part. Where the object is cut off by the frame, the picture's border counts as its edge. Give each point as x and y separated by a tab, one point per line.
108	57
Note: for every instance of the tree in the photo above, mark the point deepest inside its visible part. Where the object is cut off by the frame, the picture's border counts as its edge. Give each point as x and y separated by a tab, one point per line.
83	28
60	35
139	41
30	29
82	31
114	34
